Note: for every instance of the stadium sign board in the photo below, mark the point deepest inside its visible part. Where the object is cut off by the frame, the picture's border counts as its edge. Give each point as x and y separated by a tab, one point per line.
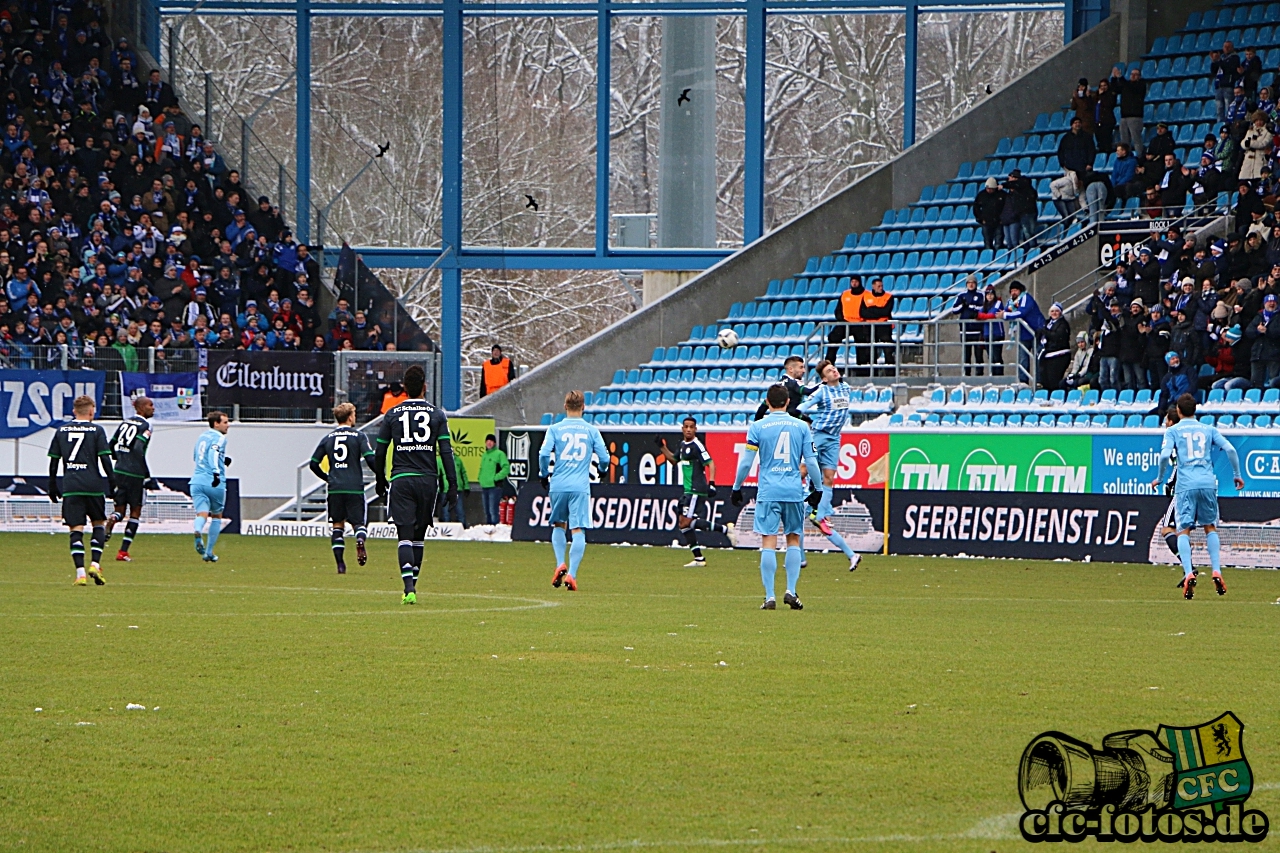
285	380
32	400
981	461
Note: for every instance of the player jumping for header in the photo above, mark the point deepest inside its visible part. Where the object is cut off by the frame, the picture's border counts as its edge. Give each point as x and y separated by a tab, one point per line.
573	442
345	447
411	432
129	447
828	406
783	442
1196	492
79	446
698	474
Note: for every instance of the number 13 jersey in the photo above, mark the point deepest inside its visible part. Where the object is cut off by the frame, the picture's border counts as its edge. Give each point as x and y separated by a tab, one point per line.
413	429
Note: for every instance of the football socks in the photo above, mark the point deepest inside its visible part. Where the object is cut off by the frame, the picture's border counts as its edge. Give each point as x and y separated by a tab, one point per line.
768	568
1184	552
558	541
1215	550
792	563
576	550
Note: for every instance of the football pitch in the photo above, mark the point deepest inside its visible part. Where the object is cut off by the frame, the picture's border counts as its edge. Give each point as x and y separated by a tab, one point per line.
287	708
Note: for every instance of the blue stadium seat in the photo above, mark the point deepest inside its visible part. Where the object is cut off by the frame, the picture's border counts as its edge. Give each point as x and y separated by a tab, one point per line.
1263	421
1244	420
546	419
1150	421
1226	420
1253	396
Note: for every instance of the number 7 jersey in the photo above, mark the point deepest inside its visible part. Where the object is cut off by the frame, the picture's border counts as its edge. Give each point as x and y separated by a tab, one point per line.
79	444
413	429
573	441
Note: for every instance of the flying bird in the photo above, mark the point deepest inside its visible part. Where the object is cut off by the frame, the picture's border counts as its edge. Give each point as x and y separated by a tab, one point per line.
684	96
532	202
382	149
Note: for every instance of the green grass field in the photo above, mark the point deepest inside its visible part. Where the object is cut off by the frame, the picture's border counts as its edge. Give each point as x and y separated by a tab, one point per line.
288	708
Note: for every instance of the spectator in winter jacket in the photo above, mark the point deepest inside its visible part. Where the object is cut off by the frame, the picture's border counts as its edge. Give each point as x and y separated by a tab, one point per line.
1264	353
1076	150
494	468
987	208
1247	203
1084	102
1083	369
1206	183
1109	348
1173	185
1185	340
1124	171
1256	145
968	304
1146	277
1104	115
1177	380
993	333
1133	98
1157	344
1023	310
1028	203
877	311
1133	347
1054	339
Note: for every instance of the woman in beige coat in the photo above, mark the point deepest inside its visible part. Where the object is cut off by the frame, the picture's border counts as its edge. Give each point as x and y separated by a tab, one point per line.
1257	148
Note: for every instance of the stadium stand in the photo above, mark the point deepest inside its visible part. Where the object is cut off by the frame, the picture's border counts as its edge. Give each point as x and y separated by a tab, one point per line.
925	251
124	234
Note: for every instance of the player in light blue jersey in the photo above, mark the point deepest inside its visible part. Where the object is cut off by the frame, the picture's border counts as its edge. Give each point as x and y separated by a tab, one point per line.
783	443
209	483
828	409
1195	494
574	443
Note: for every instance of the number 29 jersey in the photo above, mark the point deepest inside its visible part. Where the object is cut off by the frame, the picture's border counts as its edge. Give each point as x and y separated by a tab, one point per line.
572	441
413	429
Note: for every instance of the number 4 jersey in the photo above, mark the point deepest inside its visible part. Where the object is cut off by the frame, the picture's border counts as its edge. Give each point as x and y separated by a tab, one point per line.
413	429
79	444
572	441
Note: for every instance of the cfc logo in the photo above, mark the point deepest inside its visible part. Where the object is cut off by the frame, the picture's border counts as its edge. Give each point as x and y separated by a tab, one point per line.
1175	784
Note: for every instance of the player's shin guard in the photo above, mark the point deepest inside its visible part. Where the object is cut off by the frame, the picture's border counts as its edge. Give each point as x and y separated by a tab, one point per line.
768	568
404	552
1184	552
339	545
96	543
691	539
825	509
77	551
1215	550
792	564
197	524
558	542
836	539
576	550
130	531
417	558
215	527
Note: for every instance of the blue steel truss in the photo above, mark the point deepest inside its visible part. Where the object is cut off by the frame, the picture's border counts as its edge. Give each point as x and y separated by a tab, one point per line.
452	257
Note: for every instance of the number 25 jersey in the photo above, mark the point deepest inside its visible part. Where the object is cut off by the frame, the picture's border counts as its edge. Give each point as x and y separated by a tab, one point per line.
572	441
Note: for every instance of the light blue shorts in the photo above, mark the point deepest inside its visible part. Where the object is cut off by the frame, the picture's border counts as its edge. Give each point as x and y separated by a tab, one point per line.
573	508
208	498
769	514
1196	507
827	445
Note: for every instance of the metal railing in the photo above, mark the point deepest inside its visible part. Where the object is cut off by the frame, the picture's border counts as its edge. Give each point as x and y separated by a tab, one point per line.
920	354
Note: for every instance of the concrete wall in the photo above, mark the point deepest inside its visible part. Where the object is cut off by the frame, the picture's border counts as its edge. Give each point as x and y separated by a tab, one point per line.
822	229
265	456
1144	21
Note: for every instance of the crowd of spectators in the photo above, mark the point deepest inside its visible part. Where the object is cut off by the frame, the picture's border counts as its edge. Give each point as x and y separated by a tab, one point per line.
122	228
1108	118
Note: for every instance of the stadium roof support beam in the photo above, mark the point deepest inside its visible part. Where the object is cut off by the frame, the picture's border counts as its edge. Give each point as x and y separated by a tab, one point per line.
452	256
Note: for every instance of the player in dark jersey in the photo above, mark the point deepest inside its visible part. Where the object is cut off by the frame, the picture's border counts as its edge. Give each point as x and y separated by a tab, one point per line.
129	448
80	447
345	447
698	475
410	432
792	379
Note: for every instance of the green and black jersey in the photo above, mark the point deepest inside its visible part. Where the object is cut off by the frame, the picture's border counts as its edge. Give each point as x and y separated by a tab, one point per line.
79	445
129	447
410	432
345	447
694	457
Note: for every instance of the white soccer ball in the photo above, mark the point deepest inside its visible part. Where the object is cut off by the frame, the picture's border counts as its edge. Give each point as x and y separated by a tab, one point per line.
727	338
